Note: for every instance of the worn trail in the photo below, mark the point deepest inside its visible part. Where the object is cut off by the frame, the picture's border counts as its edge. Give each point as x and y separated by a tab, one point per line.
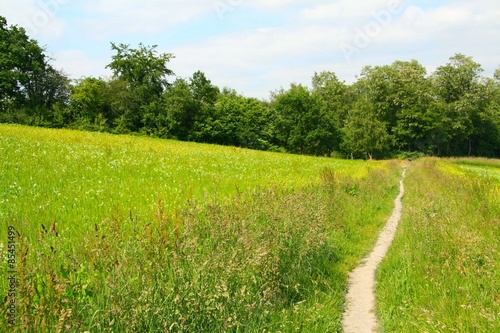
359	316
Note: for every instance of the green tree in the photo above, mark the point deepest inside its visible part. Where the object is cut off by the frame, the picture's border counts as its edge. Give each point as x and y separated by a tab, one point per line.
410	99
189	108
457	88
496	75
180	110
485	139
29	86
453	81
302	123
144	69
240	121
125	107
90	104
376	85
205	95
401	96
145	74
335	99
365	134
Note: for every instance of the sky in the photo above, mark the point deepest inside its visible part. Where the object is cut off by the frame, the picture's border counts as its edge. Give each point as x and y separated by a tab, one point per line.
259	46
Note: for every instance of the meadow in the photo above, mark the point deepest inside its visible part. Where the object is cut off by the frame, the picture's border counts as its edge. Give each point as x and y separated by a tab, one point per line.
133	234
442	273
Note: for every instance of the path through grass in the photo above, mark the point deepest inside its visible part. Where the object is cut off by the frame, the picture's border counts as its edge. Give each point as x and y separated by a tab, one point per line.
443	272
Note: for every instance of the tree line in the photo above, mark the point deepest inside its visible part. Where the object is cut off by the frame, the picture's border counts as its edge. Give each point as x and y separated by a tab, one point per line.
396	110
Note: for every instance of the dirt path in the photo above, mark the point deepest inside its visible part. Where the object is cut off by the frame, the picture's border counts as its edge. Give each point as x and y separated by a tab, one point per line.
359	316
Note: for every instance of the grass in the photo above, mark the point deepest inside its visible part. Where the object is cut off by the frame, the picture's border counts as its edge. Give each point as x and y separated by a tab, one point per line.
442	273
123	234
76	176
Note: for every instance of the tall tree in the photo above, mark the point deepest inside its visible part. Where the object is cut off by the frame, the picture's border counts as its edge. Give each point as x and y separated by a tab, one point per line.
410	98
189	106
145	73
485	120
240	121
205	95
180	110
303	125
401	95
457	87
28	82
496	75
91	104
335	97
365	134
144	69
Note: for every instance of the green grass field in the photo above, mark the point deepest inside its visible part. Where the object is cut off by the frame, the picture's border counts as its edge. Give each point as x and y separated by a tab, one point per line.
126	234
442	273
108	233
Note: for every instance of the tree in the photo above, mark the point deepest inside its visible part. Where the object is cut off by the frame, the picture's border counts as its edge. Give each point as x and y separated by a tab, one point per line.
205	95
189	106
365	134
91	104
376	85
496	75
410	99
29	85
180	109
303	126
125	107
457	78
144	69
401	95
335	101
456	85
240	121
485	139
20	58
144	72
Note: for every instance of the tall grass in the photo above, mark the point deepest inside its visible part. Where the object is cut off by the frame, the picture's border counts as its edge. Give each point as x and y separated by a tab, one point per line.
269	252
442	273
77	178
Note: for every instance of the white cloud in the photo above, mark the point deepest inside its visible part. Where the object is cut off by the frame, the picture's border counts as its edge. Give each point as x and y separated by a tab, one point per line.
78	64
40	18
270	4
294	39
261	60
118	17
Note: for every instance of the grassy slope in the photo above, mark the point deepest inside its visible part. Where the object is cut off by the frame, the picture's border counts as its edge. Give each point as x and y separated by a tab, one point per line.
154	235
71	176
442	273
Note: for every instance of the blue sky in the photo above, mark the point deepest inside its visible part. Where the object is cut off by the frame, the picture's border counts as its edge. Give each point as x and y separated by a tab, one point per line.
258	46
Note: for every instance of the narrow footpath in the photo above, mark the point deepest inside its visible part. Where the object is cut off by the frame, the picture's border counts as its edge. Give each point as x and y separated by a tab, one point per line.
359	316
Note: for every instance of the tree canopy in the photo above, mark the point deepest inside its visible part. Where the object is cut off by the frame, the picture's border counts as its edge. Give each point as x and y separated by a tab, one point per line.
391	110
29	86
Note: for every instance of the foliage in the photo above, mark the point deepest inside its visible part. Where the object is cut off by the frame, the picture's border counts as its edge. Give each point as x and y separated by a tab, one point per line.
143	69
302	124
390	109
30	88
90	102
364	134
